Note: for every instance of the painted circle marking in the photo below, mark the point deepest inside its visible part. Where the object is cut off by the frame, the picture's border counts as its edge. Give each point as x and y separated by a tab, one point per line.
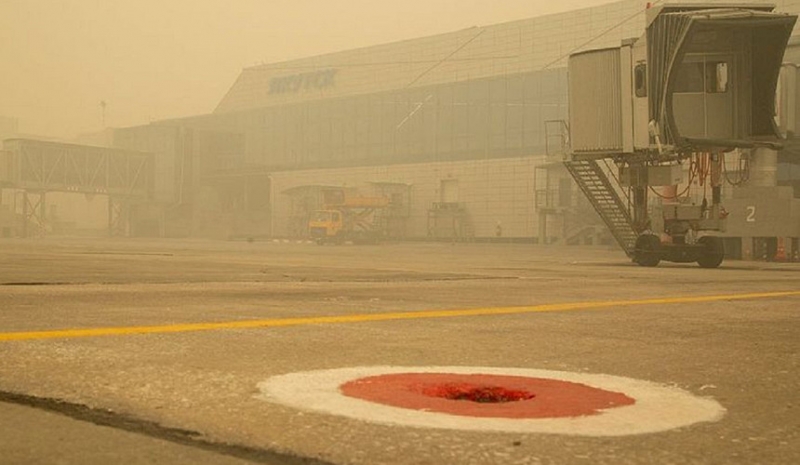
485	396
655	407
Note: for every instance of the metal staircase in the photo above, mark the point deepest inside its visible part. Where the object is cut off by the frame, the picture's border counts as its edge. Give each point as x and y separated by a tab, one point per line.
606	200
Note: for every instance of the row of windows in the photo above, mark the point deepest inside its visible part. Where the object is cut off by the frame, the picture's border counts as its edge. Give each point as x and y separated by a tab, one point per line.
487	118
710	77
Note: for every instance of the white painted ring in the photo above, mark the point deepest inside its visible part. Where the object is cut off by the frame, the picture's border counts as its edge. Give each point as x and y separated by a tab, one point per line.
657	408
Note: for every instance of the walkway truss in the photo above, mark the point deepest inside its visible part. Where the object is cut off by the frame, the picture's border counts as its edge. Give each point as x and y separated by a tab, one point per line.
37	167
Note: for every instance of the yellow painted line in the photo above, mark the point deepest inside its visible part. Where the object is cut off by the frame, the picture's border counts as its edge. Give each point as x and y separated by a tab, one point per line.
360	318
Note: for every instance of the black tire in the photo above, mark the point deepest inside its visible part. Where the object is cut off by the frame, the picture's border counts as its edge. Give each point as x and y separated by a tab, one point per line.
647	252
714	252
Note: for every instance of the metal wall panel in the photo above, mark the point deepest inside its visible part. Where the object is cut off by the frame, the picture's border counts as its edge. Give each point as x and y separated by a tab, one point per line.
595	97
763	212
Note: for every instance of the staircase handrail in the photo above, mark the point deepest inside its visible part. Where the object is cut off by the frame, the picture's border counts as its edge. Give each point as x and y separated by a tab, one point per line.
618	183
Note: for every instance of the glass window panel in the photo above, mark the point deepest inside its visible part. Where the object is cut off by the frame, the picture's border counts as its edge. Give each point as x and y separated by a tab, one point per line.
640	80
498	118
444	120
716	77
360	152
362	130
461	144
479	92
348	132
376	118
514	116
514	140
337	131
532	87
479	118
689	78
498	142
461	92
515	89
497	90
532	119
461	118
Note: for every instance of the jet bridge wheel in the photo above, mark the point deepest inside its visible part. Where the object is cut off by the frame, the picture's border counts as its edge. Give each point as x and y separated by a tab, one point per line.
647	251
714	252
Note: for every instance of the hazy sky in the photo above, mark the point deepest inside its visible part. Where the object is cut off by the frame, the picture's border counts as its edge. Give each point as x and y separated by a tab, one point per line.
157	59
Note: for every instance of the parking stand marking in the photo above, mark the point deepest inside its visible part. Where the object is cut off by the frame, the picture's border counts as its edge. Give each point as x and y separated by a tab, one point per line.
518	400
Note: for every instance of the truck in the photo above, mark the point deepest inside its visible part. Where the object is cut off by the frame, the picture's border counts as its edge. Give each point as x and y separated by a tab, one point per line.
350	218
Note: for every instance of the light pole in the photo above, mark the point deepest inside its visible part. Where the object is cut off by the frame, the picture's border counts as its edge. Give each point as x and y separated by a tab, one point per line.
103	105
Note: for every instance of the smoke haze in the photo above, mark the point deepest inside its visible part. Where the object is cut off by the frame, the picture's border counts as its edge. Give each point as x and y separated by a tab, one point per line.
156	59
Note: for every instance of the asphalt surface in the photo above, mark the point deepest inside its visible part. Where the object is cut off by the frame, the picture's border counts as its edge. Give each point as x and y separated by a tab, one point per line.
190	395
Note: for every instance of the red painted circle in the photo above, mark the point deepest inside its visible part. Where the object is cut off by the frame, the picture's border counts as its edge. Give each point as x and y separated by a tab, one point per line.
511	396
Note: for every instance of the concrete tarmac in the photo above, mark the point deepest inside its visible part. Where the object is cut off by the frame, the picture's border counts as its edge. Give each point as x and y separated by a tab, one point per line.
36	436
178	386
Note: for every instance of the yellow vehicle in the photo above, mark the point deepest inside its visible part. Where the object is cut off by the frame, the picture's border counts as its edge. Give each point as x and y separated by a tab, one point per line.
357	219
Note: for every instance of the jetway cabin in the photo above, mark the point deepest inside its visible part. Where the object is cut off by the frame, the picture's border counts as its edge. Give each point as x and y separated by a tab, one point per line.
701	78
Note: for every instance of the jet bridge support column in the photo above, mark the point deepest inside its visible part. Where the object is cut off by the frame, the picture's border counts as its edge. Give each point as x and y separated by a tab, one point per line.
640	215
716	179
763	167
34	210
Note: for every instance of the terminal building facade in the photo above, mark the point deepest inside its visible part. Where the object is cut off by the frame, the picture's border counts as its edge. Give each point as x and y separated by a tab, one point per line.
466	130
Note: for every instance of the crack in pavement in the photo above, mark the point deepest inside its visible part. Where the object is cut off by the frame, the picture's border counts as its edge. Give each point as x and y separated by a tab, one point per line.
111	419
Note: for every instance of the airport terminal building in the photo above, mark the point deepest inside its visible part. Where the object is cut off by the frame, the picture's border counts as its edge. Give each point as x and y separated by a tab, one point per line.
466	130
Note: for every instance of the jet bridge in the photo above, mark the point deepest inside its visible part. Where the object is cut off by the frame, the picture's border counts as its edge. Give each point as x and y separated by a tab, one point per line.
699	83
36	167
